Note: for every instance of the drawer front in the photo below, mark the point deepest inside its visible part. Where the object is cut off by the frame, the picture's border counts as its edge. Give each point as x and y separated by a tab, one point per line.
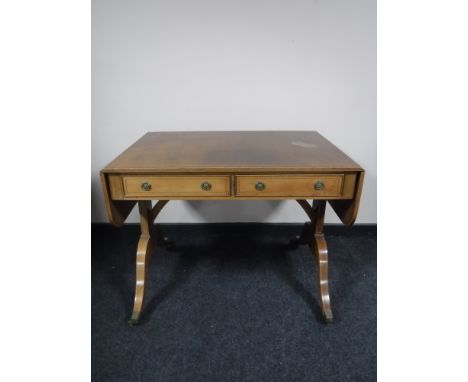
290	185
176	186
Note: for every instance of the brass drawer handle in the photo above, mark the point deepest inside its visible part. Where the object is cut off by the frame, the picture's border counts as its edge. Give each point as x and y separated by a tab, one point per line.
260	186
319	185
146	186
206	186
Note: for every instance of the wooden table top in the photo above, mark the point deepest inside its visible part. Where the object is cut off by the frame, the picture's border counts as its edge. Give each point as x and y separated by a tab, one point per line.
232	151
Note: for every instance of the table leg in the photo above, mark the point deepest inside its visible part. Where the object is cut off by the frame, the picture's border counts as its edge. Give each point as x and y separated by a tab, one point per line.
144	252
316	213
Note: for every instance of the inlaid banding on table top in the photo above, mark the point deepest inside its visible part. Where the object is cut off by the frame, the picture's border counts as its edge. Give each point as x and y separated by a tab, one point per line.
232	152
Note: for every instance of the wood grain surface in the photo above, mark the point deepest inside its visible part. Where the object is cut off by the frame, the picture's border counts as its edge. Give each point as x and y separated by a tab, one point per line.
232	151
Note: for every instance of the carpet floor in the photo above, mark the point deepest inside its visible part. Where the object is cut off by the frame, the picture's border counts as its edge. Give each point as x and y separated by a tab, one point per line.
234	303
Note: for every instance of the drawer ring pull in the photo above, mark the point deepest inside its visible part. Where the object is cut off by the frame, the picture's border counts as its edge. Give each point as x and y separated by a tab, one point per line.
319	185
206	186
260	186
146	186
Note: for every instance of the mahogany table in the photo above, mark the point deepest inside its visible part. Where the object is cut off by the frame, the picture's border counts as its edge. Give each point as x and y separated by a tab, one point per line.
227	165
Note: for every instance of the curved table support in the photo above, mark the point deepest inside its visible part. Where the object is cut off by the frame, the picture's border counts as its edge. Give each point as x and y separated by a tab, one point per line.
316	213
321	253
144	252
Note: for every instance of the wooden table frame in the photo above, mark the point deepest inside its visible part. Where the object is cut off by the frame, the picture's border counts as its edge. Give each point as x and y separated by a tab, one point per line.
127	182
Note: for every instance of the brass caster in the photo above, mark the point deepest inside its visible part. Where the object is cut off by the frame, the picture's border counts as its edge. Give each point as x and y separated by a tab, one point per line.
166	242
328	316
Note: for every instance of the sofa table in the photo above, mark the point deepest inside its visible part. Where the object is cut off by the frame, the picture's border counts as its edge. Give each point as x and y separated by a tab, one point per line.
228	165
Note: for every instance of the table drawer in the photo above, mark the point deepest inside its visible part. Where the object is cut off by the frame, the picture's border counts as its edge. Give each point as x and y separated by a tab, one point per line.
329	185
176	186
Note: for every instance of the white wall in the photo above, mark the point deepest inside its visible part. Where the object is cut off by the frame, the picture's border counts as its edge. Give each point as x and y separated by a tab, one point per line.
234	65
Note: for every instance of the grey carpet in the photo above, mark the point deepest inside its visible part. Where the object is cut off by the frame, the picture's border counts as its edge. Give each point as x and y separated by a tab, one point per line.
234	303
